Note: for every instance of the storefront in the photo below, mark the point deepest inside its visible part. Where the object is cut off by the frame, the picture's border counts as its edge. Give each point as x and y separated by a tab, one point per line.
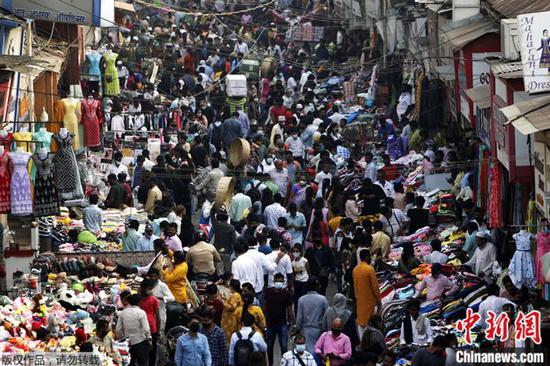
472	40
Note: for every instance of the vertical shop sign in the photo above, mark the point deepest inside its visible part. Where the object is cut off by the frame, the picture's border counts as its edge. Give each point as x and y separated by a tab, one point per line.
534	31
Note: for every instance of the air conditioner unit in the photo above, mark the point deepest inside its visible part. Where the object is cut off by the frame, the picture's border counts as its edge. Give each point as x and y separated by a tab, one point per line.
509	39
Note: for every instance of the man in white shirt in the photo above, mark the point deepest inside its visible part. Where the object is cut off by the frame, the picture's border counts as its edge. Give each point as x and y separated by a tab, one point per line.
145	243
274	211
295	144
370	170
436	256
284	266
320	179
116	167
147	164
241	47
492	303
394	221
298	356
246	332
280	178
382	182
484	257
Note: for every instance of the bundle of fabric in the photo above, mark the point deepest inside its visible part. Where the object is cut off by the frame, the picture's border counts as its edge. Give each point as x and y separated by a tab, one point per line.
421	234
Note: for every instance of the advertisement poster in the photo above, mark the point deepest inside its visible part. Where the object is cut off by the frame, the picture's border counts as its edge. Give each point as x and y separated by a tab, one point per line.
534	31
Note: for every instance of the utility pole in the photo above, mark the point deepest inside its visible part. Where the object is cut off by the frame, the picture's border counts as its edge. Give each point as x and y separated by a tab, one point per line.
30	78
384	31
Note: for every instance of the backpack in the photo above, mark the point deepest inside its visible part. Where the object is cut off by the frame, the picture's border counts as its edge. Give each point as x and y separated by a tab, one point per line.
243	349
216	135
254	192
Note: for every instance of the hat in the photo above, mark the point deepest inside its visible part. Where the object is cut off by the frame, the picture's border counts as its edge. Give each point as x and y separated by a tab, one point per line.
149	227
281	118
135	38
119	63
299	106
481	234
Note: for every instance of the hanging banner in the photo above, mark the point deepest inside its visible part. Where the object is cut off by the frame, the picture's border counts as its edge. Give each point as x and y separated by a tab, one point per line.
304	33
535	51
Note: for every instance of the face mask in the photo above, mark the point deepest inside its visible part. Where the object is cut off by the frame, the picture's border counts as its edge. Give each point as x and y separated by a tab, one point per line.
296	254
336	332
279	285
194	327
300	348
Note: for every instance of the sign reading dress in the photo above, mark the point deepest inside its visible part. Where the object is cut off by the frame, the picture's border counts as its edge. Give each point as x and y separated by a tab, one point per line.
20	185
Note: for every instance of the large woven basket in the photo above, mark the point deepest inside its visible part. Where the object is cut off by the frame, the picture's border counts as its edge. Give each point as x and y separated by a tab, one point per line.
224	193
239	152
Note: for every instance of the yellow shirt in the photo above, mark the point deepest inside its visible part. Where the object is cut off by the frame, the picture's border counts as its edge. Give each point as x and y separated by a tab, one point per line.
380	242
154	195
176	279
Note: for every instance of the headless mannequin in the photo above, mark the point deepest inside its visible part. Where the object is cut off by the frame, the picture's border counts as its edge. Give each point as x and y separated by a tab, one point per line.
43	129
21	150
44	115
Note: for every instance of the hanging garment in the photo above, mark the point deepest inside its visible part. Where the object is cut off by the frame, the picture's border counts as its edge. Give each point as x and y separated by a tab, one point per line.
22	140
45	138
6	141
64	162
112	85
70	119
94	59
521	269
543	247
91	117
20	184
45	194
4	182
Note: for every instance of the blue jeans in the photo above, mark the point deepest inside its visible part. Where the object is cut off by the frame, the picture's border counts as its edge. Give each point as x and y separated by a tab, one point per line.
272	332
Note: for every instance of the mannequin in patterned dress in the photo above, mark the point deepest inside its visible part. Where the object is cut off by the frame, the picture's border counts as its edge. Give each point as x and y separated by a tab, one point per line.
20	184
91	119
45	193
4	180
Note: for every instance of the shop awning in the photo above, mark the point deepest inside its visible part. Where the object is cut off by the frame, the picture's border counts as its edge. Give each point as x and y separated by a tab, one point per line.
446	72
480	95
508	70
473	28
32	65
529	116
511	9
125	6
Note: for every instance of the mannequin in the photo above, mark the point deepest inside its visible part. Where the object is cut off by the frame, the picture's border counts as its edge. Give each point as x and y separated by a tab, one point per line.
20	185
4	180
71	117
91	119
45	193
23	139
6	139
63	132
112	84
44	115
67	177
44	137
94	77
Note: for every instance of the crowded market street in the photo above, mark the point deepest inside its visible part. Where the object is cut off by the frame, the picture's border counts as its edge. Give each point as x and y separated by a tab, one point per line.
274	182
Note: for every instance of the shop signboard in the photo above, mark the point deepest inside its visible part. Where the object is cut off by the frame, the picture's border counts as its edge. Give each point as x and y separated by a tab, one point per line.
535	51
82	12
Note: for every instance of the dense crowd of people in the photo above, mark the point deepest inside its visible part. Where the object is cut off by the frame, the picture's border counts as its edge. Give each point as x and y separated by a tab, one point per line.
292	256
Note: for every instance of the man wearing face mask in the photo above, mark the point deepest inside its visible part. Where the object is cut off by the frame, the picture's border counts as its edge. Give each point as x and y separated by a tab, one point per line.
298	356
333	345
215	336
192	348
145	243
278	310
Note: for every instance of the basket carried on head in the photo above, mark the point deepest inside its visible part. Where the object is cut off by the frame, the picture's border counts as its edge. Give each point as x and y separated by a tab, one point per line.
224	192
239	152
